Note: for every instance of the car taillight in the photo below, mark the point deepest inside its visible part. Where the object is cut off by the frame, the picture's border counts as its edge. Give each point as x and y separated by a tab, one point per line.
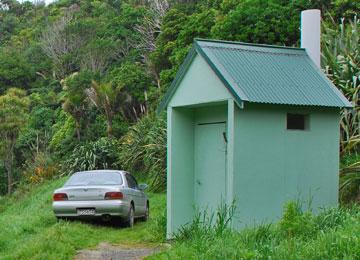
114	195
60	196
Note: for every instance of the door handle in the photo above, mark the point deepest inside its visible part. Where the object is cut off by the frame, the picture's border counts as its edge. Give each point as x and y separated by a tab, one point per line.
225	138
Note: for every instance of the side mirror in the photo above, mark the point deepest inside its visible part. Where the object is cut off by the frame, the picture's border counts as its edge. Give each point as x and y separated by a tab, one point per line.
142	186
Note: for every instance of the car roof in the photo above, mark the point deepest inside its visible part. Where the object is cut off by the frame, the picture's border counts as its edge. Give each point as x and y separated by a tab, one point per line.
100	171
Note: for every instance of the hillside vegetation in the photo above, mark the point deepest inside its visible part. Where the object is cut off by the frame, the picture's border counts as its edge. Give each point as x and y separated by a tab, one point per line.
80	79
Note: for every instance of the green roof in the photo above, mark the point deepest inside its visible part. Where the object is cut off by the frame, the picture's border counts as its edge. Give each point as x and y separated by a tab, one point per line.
265	74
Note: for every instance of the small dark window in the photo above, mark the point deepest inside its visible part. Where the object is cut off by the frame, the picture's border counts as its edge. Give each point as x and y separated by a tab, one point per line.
296	122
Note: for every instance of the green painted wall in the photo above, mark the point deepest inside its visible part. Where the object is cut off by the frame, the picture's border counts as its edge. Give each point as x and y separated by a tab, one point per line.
273	165
199	85
210	113
180	168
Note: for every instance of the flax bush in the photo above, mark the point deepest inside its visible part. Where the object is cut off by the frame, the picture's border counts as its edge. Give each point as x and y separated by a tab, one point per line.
341	61
143	149
100	154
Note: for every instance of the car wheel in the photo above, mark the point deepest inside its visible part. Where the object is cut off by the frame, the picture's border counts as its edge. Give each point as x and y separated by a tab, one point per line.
60	218
147	213
130	218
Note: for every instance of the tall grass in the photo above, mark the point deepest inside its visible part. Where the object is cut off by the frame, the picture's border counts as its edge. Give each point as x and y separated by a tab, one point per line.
350	179
206	223
332	234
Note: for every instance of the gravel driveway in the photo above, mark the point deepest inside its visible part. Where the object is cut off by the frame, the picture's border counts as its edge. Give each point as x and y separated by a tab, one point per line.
109	252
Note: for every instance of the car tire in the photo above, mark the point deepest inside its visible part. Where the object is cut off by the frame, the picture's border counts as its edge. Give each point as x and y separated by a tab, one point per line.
130	219
147	213
60	218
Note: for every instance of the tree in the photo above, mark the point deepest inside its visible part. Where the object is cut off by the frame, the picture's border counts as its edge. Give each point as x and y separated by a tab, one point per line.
98	54
59	44
8	24
13	116
75	98
151	26
134	83
104	97
15	71
257	21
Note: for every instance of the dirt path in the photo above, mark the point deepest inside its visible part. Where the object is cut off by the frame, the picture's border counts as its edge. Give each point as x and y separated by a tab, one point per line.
109	252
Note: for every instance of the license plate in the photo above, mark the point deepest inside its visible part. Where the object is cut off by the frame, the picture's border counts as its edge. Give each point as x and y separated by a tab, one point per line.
86	212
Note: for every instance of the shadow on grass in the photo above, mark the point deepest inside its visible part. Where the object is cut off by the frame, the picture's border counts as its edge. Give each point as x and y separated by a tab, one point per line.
115	223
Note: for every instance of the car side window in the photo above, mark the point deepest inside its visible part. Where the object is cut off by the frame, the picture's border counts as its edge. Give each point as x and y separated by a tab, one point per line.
134	180
131	181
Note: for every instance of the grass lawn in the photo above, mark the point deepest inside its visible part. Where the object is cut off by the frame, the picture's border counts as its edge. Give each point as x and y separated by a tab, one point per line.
29	230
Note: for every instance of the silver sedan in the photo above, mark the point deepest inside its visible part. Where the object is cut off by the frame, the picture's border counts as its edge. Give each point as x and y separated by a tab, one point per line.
102	194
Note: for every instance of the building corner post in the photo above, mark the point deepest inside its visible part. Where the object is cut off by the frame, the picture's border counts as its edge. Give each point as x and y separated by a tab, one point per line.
169	187
230	153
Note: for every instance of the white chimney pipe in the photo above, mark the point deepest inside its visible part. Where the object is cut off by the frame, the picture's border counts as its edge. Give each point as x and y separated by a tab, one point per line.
310	33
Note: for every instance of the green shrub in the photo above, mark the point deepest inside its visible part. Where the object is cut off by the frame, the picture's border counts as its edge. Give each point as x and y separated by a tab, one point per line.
143	149
296	222
64	132
101	154
42	167
158	227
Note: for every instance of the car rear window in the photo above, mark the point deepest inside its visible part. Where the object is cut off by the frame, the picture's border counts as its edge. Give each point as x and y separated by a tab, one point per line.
94	178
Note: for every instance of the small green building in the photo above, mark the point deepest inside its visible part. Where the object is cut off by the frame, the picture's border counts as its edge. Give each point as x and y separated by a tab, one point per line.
257	124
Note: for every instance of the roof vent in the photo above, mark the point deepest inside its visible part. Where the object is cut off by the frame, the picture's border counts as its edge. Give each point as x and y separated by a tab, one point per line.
310	33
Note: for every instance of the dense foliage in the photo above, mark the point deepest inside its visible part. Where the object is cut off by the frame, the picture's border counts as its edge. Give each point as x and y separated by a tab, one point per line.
144	148
91	74
100	154
341	59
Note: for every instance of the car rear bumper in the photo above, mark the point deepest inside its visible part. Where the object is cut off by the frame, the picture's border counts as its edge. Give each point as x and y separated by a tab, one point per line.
102	207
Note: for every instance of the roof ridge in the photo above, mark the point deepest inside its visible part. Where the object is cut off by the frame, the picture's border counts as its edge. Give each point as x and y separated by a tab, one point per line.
249	44
255	50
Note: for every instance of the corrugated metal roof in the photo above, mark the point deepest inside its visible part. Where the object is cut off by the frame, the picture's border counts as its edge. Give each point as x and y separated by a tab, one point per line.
265	74
271	74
